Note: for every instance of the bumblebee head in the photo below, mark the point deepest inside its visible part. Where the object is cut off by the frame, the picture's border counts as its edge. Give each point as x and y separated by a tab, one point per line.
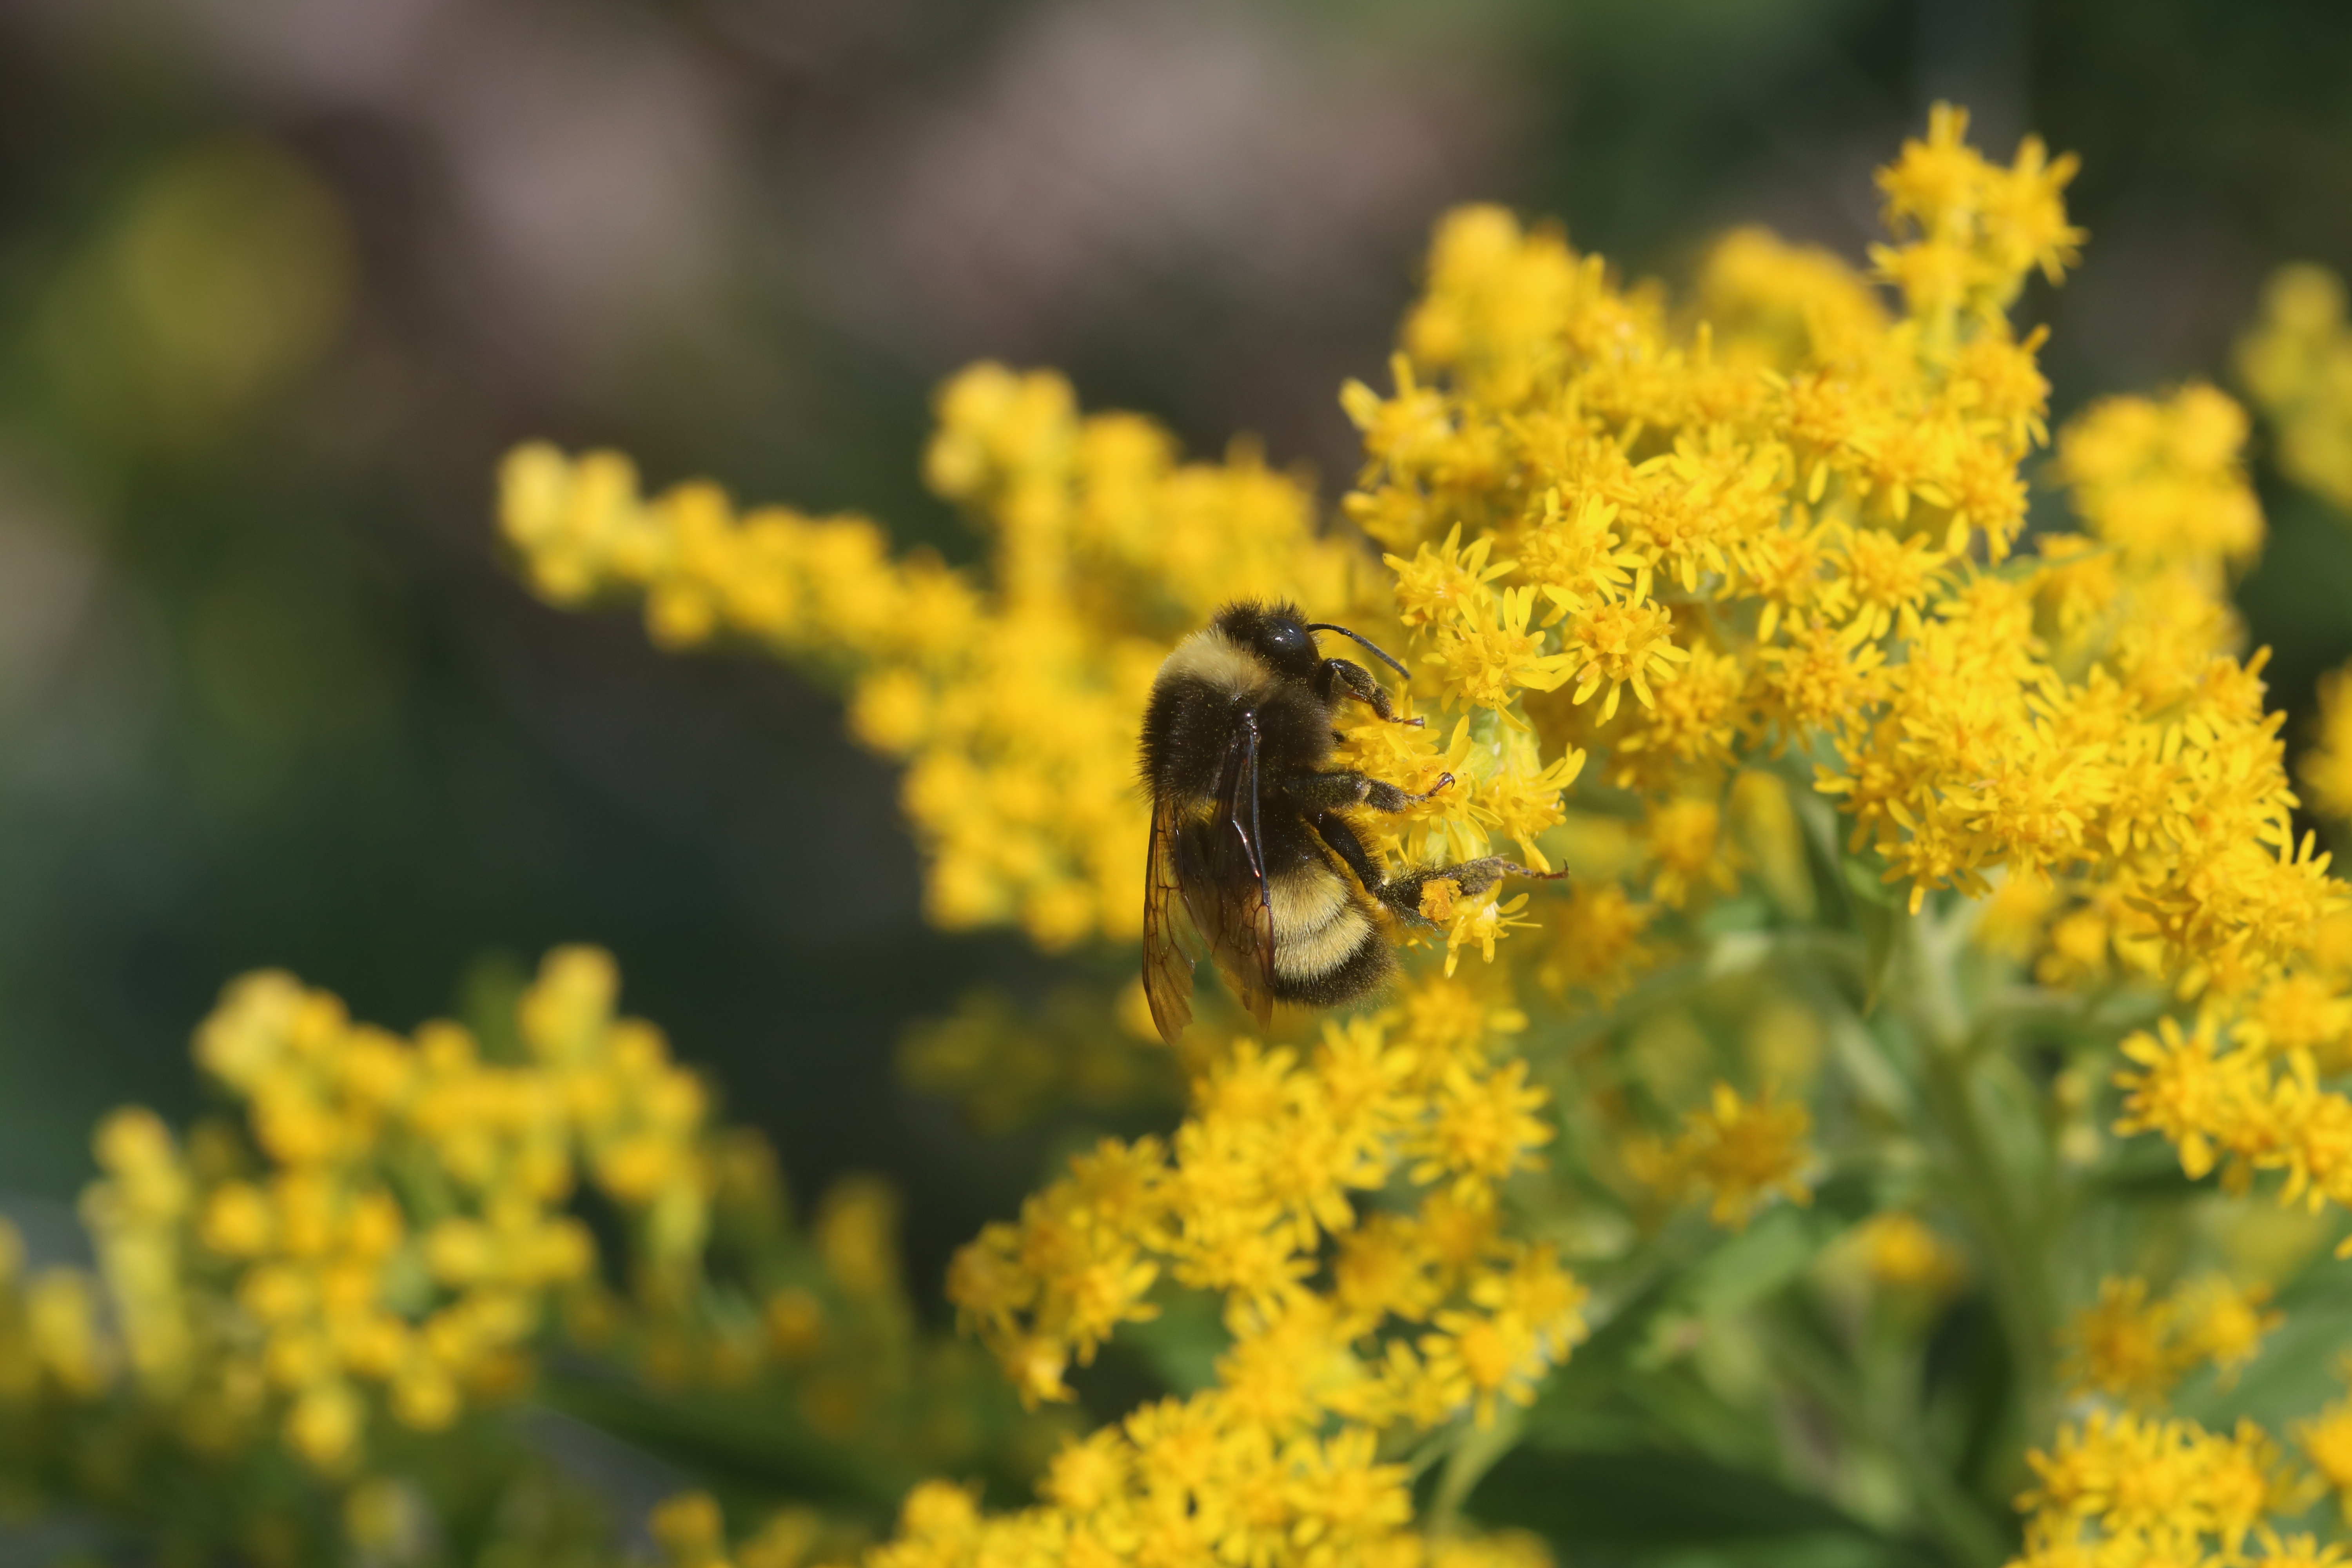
1279	634
1282	635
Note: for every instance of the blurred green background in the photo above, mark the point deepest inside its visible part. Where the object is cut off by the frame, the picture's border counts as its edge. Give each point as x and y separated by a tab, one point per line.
280	279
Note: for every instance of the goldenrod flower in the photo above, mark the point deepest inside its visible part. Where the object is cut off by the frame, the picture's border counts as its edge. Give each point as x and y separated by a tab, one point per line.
1485	1127
1886	582
1598	944
2297	363
1520	799
2327	1442
1902	1250
1690	727
1478	1357
1740	1154
1687	851
2144	1489
1470	922
2223	1323
2185	1090
1575	556
1438	585
2327	767
2161	482
2122	1345
2132	1346
1614	644
1492	655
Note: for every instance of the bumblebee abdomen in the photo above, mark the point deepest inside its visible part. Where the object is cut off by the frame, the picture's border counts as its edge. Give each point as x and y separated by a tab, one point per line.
1328	945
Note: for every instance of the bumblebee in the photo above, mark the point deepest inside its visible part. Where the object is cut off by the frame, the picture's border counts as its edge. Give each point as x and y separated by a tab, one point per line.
1250	835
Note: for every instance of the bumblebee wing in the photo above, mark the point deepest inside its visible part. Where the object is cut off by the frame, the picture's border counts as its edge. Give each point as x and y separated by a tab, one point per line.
1167	960
1234	909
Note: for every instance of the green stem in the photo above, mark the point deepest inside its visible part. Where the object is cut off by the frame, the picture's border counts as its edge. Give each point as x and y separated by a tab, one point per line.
1475	1453
1958	1520
2013	1226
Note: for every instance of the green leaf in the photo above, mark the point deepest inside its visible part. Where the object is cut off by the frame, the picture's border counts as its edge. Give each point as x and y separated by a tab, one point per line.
1657	1507
1748	912
1866	881
1182	1344
1755	1263
729	1440
1881	927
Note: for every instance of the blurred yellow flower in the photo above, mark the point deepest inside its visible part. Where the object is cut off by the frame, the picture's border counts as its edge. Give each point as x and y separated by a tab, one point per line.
1903	1251
2297	363
1740	1154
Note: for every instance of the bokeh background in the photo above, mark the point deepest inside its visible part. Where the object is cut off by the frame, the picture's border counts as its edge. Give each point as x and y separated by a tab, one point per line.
280	279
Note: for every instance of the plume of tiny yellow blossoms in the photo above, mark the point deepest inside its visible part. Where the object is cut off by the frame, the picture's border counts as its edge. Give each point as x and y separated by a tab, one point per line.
1781	528
1740	1156
2237	1082
2296	360
2142	1487
2132	1488
1350	1328
390	1240
1900	1250
2130	1347
2297	363
1806	506
351	1301
1011	696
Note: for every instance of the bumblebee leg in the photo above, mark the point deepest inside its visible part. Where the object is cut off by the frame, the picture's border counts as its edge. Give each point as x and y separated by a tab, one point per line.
1341	840
1316	792
1402	892
1343	678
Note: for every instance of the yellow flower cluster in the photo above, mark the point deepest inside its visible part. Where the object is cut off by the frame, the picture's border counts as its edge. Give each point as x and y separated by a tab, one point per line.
392	1236
2326	1441
406	1231
692	1533
2127	1488
1737	1154
1324	1504
1014	699
51	1343
2297	363
1905	1252
1772	527
1355	1320
2296	360
1781	532
2128	1346
2242	1079
2327	766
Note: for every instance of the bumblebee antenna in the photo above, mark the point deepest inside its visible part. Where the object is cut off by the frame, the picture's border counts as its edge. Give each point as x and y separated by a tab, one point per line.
1375	648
